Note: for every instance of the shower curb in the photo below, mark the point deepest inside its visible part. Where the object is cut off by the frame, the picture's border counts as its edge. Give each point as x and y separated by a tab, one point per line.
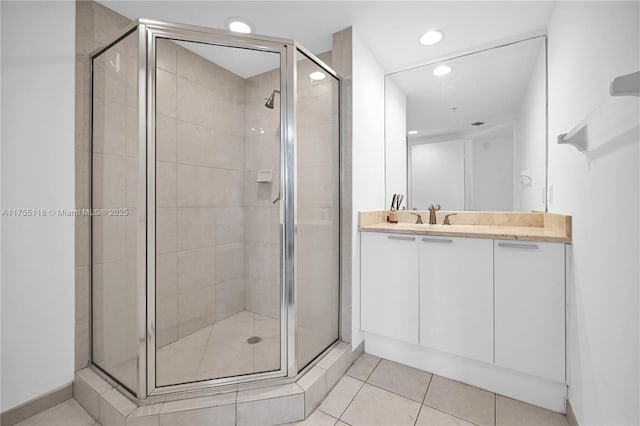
266	406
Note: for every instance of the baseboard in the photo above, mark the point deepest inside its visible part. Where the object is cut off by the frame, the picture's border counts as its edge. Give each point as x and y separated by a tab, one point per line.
30	408
571	416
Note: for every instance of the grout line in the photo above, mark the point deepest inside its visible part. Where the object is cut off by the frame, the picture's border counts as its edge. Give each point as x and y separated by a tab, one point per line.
423	399
495	409
452	415
351	401
374	369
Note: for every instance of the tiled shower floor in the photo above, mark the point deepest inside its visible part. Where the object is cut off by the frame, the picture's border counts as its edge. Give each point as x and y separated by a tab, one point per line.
221	350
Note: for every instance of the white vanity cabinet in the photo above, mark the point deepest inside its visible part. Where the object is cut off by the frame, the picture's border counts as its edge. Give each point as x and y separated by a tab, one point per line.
389	290
530	307
456	296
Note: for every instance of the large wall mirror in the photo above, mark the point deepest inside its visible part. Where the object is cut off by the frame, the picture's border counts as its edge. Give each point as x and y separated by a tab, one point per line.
470	133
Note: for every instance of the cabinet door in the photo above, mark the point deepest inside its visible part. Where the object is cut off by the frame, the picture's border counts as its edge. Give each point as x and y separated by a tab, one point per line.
530	310
456	296
389	285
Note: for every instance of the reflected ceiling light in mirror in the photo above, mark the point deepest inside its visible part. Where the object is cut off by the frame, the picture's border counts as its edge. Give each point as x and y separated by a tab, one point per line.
441	70
412	132
238	25
431	37
317	76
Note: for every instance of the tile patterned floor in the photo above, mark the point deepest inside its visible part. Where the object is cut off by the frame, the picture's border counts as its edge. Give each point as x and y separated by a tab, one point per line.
379	392
68	413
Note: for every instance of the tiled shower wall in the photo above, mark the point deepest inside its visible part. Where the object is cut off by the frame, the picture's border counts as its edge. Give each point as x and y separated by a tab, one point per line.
199	194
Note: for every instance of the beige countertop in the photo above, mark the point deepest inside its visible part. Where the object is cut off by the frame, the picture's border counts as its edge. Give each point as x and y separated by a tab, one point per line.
535	226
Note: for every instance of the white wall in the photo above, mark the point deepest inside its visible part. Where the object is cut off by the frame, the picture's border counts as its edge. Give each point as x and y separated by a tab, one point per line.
589	45
38	48
368	153
530	141
395	141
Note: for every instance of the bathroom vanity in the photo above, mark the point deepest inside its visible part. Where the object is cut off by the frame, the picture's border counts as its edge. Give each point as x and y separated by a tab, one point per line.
481	301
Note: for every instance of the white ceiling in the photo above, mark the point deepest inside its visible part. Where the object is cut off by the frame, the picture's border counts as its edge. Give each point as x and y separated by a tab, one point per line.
390	28
487	86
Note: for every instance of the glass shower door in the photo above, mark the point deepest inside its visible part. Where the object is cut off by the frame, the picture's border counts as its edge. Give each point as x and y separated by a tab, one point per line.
218	290
318	208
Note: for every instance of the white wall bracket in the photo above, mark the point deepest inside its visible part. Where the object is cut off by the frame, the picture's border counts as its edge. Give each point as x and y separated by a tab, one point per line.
578	138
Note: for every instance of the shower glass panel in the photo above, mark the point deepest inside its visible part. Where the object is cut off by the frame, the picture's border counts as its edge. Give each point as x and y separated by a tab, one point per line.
217	287
114	170
318	208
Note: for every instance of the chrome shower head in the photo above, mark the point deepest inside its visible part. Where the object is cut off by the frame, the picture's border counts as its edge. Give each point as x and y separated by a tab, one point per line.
270	100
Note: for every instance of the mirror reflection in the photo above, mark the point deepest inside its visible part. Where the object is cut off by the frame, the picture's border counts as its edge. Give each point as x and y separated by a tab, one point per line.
469	133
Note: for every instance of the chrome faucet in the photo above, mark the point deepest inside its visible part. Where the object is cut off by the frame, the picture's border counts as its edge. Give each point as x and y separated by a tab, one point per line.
418	218
432	213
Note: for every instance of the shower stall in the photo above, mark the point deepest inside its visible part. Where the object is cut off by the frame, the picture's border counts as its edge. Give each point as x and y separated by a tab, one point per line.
215	196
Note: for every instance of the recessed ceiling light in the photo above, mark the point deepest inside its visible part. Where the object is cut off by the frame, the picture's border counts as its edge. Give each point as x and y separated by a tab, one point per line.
317	75
412	132
238	25
442	70
431	37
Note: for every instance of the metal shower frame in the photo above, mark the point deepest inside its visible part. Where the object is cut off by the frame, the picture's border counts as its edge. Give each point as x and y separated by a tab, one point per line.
149	31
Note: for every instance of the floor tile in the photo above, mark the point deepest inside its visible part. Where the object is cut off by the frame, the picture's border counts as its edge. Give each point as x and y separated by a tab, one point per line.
340	396
510	412
375	406
318	418
464	401
363	367
431	417
68	413
401	379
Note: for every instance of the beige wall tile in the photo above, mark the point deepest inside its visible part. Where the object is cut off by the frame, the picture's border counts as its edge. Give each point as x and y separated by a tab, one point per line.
107	24
109	127
195	310
166	55
109	238
196	269
195	103
82	295
110	75
229	262
196	144
166	184
109	181
194	186
229	225
229	298
196	227
166	93
166	229
166	139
